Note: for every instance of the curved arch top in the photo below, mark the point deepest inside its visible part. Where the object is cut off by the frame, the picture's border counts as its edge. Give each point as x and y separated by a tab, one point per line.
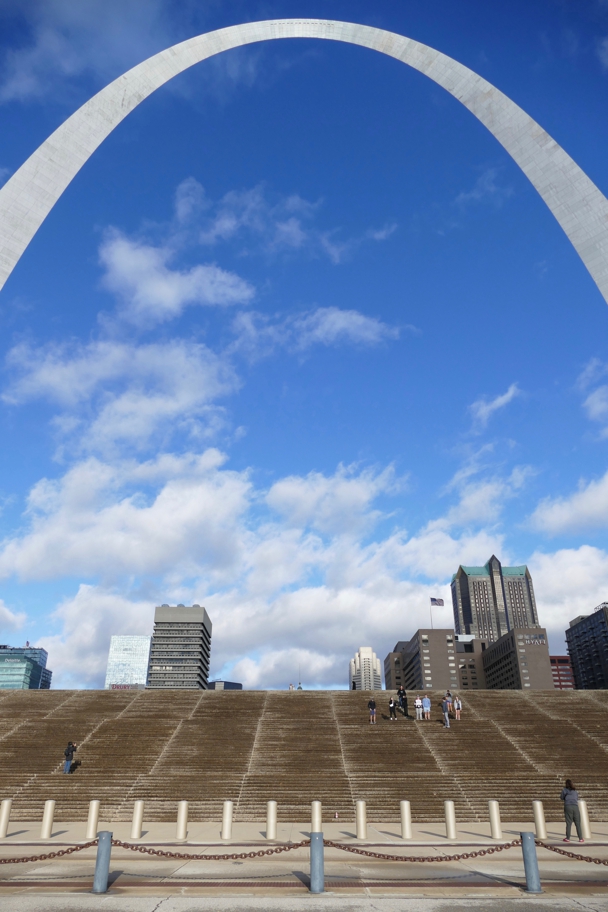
577	204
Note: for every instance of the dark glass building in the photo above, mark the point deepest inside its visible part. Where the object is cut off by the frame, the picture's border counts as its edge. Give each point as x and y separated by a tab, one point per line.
181	648
587	639
490	601
24	668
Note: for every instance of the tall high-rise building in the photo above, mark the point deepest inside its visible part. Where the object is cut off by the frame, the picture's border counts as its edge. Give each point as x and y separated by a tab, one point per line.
24	668
587	639
364	671
128	661
490	601
181	647
563	676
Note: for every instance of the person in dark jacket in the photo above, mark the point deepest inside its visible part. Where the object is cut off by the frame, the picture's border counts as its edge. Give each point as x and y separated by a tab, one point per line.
69	756
572	811
392	708
372	711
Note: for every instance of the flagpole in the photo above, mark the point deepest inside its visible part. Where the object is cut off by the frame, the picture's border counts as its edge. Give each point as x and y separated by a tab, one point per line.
431	611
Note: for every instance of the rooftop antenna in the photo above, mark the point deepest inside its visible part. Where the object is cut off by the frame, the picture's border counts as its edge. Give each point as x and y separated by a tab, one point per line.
299	679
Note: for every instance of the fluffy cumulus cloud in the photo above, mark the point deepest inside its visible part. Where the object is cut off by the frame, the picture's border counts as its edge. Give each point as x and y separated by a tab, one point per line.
567	583
583	511
10	621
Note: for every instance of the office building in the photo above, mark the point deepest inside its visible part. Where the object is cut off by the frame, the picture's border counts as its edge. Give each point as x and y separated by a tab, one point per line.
587	639
427	661
519	660
364	671
393	667
469	658
181	648
224	685
128	661
561	669
24	668
489	601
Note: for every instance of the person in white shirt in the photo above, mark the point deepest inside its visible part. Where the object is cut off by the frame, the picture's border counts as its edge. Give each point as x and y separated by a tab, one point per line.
418	707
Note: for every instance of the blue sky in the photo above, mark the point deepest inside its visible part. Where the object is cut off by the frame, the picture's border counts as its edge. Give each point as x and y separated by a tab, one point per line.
299	338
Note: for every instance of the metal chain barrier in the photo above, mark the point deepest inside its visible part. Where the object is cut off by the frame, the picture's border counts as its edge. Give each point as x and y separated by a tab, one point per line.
288	847
560	851
58	854
489	851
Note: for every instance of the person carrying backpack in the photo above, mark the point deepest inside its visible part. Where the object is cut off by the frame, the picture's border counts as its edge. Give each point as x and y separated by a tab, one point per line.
69	756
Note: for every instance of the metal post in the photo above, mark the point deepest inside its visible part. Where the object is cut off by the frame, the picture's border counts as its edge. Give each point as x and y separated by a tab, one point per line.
102	862
528	849
316	817
271	820
47	820
227	820
5	816
450	819
495	824
182	821
539	820
361	817
406	819
138	819
317	866
585	825
92	820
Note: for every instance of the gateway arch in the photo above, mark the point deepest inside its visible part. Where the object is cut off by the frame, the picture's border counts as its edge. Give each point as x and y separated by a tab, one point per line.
577	204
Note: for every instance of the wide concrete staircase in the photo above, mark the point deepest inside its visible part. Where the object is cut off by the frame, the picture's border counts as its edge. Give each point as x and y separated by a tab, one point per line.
294	747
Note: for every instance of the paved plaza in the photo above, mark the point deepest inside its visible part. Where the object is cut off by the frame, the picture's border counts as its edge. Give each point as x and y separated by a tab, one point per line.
144	882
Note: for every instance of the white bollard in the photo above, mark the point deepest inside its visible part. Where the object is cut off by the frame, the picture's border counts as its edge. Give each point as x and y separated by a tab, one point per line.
316	817
539	820
92	820
138	819
450	819
406	819
271	820
5	816
495	824
361	817
47	820
585	825
227	820
182	821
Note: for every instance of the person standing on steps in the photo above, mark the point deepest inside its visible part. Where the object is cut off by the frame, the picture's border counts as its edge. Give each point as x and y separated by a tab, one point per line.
401	695
457	707
372	711
445	709
69	756
392	708
572	811
418	708
426	707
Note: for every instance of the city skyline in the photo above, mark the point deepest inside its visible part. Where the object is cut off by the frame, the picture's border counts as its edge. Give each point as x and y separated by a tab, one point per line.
299	339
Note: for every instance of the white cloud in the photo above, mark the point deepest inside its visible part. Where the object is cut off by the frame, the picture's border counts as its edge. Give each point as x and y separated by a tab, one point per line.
115	392
596	401
602	52
10	620
340	503
567	583
483	409
486	190
585	510
151	292
68	39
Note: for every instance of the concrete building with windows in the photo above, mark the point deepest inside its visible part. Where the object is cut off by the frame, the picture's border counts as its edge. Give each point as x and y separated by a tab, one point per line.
181	648
427	661
587	639
24	668
469	659
519	660
224	685
128	661
489	601
561	669
364	671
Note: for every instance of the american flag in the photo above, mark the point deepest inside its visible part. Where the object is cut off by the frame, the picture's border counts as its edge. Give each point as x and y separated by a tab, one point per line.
438	602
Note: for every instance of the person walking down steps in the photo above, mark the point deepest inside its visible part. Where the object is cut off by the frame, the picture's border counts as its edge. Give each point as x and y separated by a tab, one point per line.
69	756
392	708
572	811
